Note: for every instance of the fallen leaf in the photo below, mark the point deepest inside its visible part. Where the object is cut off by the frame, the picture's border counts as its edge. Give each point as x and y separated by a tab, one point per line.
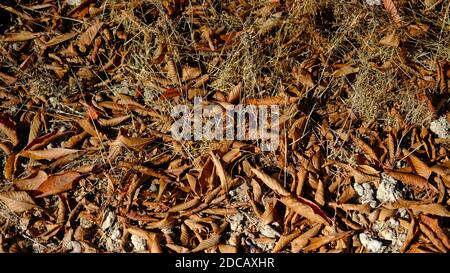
189	73
49	154
433	224
306	208
389	6
212	241
60	39
17	201
271	183
433	209
391	40
32	182
344	70
19	37
44	140
433	238
7	126
57	184
301	241
235	93
420	167
408	178
88	36
223	177
9	80
35	127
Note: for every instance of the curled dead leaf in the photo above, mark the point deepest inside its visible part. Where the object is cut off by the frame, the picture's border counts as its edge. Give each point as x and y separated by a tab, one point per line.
271	183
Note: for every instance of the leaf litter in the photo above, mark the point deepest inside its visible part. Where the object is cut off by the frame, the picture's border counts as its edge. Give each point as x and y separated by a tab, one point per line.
89	164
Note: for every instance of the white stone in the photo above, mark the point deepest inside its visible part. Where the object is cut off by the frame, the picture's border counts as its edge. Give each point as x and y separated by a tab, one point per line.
269	232
441	127
372	244
373	2
366	194
139	243
116	234
74	2
388	191
109	220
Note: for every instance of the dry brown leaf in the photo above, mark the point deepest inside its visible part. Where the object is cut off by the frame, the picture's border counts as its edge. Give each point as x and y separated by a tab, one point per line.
212	241
17	201
227	248
5	148
433	238
416	30
412	229
270	213
300	242
189	73
113	121
235	93
60	38
31	183
19	37
7	126
10	166
306	209
75	140
389	6
358	175
88	36
8	79
408	178
223	177
172	71
271	183
391	40
35	127
319	196
44	140
285	240
344	70
185	206
317	242
57	184
137	143
420	167
49	154
273	100
391	144
433	224
433	209
368	151
303	76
